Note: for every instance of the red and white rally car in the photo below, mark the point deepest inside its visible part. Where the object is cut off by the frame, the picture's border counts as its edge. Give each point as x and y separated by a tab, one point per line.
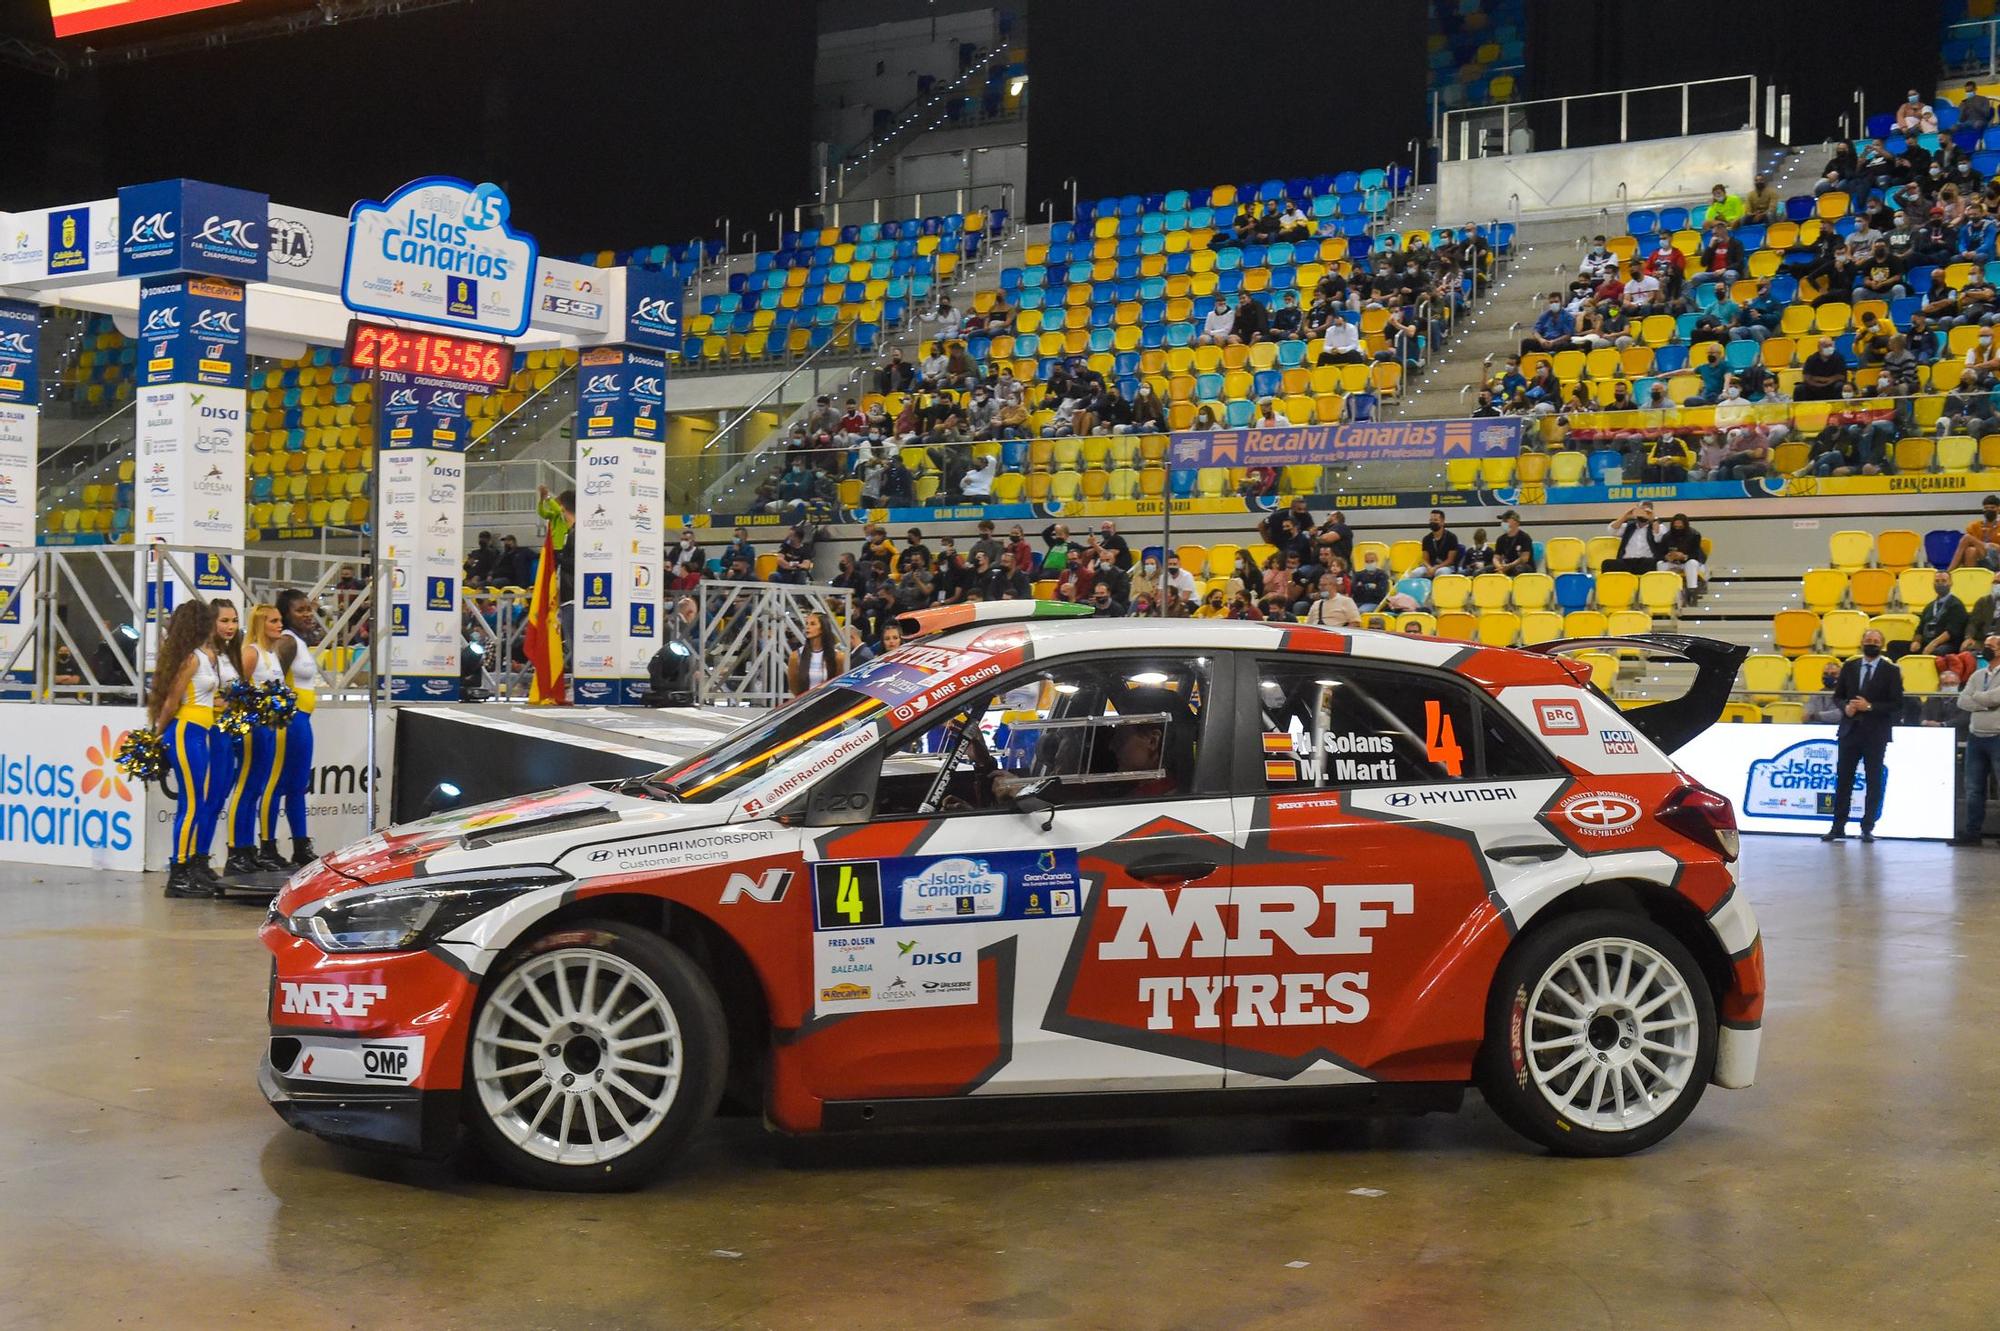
1034	866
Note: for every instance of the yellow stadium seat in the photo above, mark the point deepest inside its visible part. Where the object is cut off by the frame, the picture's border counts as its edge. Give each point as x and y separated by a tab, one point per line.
1540	626
1404	556
1971	585
1841	630
1563	554
1915	589
1894	628
1920	673
1795	632
1585	624
1222	559
1823	589
1870	589
1660	592
1450	591
1491	591
1782	713
1742	713
1599	549
1898	548
1956	453
1809	670
1458	624
1362	549
1766	675
1420	619
1533	591
1616	590
1499	628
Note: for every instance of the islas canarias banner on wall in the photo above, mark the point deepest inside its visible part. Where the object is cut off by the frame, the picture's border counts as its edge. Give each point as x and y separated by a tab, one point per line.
1369	441
79	16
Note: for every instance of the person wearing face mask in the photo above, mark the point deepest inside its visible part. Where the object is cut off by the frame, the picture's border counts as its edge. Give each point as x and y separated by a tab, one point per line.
1554	327
1941	709
1211	607
1443	552
1870	693
1979	698
1371	583
1823	709
1941	626
1145	581
1822	375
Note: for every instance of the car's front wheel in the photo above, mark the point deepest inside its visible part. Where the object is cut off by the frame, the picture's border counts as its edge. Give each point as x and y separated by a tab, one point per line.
1600	1035
597	1050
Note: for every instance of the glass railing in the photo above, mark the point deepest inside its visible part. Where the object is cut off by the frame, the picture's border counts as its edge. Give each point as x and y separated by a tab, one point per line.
1591	120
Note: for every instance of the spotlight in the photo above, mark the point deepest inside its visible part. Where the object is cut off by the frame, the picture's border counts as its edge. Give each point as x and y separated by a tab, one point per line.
444	796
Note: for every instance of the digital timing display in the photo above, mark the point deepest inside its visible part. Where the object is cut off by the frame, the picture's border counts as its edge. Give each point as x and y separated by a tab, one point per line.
468	360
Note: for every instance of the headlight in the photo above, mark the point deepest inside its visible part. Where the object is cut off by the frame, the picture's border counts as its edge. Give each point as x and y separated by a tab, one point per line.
401	917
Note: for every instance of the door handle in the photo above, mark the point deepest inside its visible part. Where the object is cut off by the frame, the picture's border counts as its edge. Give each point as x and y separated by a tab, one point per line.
1171	869
1541	851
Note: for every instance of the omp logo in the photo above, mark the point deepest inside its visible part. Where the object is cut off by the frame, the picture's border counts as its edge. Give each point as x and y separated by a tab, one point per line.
1599	813
403	399
601	385
161	321
216	323
151	229
235	233
657	311
768	887
17	344
328	999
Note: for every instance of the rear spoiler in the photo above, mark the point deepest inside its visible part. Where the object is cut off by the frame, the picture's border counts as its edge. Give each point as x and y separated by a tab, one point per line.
1675	721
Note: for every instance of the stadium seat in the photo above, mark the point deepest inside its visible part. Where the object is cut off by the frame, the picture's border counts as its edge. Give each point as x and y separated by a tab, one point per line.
1404	556
1897	549
1823	589
1450	591
1849	550
1533	591
1841	631
1539	626
1915	588
1920	673
1563	554
1742	713
1795	632
1870	589
1574	591
1616	590
1765	675
1603	668
1492	591
1971	585
1499	628
1809	670
1660	592
1894	628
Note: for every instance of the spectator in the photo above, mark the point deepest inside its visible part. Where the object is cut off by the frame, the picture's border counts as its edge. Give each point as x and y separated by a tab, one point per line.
1681	552
1253	321
1822	375
1442	549
1638	541
1111	546
1762	204
1980	546
891	639
1145	581
1371	582
1975	110
1724	208
1105	603
1514	552
1870	692
1979	698
1332	607
689	551
1024	554
896	375
1211	606
817	659
1061	549
1341	344
1941	627
1823	709
1554	327
482	560
976	485
794	557
1941	708
1180	582
1005	583
1915	115
1721	258
1219	327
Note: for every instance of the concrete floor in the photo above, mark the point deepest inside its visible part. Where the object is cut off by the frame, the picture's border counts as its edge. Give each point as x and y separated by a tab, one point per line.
143	1182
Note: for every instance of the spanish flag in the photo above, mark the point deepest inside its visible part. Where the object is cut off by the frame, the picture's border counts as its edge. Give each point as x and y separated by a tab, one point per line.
543	638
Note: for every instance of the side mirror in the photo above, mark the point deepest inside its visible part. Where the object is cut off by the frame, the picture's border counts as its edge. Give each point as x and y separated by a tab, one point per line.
1029	800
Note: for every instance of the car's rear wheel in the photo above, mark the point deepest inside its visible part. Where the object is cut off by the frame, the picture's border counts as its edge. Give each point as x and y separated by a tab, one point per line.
1600	1035
597	1050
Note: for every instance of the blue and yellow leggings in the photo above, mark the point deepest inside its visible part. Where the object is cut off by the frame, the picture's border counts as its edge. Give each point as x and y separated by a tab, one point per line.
291	770
188	750
251	790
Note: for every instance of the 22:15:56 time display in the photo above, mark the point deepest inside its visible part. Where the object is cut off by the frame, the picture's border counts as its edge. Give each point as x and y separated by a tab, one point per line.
467	360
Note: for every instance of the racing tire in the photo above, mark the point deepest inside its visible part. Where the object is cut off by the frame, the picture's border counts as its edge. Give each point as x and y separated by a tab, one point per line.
1600	1035
595	1052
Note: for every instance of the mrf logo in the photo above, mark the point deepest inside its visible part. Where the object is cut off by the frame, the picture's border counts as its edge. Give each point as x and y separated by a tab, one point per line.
1337	920
326	999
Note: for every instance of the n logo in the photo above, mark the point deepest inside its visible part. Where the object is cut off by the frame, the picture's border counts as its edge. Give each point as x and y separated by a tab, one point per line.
768	887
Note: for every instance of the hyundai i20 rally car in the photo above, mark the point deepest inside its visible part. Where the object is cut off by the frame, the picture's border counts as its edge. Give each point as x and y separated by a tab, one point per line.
1031	866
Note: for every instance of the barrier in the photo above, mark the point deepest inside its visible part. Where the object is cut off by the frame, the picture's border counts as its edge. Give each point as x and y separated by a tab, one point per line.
747	633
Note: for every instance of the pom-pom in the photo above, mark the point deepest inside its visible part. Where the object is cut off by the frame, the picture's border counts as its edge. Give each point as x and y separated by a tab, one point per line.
276	705
142	755
238	708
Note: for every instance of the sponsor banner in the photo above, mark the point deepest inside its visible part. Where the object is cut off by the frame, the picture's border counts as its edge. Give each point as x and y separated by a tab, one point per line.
20	352
59	246
190	226
189	466
20	436
652	309
880	970
62	798
305	248
336	787
917	890
421	411
1379	441
441	250
572	297
192	330
1782	778
423	532
621	394
617	537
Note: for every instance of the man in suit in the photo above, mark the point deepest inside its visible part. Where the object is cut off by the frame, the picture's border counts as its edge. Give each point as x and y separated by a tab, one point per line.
1870	694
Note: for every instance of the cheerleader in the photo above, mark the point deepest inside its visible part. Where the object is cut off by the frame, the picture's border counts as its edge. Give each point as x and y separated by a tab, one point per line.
181	709
293	757
257	777
224	750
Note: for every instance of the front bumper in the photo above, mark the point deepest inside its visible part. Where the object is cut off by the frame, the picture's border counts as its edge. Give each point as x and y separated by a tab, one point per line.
400	1119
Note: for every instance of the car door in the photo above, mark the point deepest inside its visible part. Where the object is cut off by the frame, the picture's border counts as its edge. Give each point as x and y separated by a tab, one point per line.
1387	804
1011	905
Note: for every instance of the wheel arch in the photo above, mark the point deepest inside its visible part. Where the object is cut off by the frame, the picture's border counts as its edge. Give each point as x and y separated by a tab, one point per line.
745	1005
1653	901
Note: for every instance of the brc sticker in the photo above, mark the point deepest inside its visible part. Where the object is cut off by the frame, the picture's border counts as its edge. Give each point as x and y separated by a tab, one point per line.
1560	716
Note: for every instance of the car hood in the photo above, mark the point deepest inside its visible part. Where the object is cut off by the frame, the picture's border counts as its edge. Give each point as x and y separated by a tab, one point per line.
527	830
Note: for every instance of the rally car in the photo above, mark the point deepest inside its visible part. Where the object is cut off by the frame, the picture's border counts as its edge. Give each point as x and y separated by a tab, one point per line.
1032	866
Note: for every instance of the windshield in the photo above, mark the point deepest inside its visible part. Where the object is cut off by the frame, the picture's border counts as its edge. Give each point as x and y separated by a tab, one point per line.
824	716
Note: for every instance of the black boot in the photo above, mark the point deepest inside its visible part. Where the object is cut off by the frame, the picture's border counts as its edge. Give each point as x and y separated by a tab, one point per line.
302	852
201	872
242	860
268	857
181	882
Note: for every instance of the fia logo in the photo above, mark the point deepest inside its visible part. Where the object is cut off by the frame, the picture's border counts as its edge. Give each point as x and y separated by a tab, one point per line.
291	242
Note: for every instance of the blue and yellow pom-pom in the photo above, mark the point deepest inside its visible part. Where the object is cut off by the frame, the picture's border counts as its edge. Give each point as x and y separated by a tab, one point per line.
276	705
142	755
239	708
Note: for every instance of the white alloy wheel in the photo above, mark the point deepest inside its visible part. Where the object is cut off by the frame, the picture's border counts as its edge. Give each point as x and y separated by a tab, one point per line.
1612	1034
577	1057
